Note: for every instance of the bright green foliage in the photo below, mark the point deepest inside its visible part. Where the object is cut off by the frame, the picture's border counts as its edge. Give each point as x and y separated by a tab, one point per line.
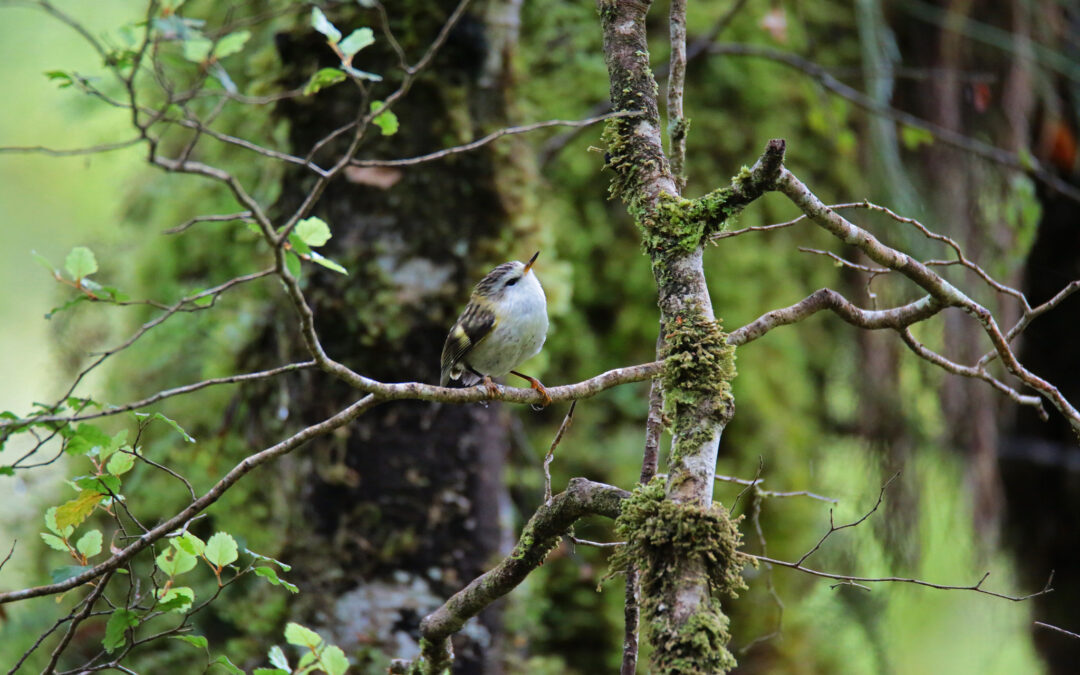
148	417
357	40
116	628
270	575
221	550
387	121
120	463
176	599
89	544
173	561
313	231
74	512
228	665
80	262
193	640
295	634
322	79
320	23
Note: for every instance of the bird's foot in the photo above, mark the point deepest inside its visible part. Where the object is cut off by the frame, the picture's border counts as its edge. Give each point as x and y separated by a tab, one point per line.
538	386
492	388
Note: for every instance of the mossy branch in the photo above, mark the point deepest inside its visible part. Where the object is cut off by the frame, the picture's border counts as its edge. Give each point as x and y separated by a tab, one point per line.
581	498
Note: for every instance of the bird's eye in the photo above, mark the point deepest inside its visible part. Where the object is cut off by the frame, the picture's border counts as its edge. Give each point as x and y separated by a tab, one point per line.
513	281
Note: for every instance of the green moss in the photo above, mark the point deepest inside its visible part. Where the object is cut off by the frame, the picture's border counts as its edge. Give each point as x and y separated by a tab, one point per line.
698	361
667	541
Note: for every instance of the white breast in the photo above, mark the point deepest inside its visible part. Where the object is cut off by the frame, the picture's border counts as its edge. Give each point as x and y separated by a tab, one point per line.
519	333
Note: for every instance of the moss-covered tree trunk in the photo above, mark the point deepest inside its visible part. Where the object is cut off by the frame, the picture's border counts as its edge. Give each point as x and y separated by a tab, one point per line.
405	506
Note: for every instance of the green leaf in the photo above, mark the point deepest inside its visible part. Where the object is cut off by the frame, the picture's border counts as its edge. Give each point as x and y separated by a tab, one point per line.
270	671
67	305
115	630
357	40
44	262
334	660
173	561
7	471
80	262
116	441
387	121
322	79
284	567
62	79
292	263
231	43
74	512
176	599
189	543
228	665
50	522
278	658
306	659
166	420
89	544
120	463
193	640
313	231
197	49
87	437
295	634
105	485
270	575
320	23
62	574
221	549
328	263
298	244
914	137
54	542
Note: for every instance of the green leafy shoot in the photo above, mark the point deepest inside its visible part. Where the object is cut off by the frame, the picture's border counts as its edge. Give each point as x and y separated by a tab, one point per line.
150	417
387	121
116	628
325	77
270	575
80	263
313	231
193	640
357	40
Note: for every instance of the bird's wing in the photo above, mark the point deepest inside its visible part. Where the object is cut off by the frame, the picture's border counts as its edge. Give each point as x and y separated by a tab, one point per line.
474	324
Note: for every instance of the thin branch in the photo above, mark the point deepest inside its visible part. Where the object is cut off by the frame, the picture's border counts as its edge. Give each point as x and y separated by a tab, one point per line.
480	142
567	421
835	528
55	152
581	498
1028	166
1071	634
10	552
771	493
88	607
336	421
848	580
677	123
217	218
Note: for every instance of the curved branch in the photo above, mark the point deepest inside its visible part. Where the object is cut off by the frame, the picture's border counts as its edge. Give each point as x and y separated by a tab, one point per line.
581	498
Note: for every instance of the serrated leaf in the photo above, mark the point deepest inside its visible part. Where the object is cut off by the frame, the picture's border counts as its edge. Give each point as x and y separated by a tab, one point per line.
228	665
387	121
62	574
80	262
116	629
176	599
120	463
320	23
189	543
313	231
322	79
278	658
270	575
193	640
50	522
357	40
231	43
89	544
173	561
54	542
87	437
292	263
334	660
295	634
221	549
197	49
74	512
328	263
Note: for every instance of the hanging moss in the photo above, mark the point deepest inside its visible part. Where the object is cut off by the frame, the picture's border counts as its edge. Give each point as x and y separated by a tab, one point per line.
667	540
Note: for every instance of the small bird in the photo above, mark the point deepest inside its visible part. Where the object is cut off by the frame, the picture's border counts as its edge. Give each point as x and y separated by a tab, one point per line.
504	324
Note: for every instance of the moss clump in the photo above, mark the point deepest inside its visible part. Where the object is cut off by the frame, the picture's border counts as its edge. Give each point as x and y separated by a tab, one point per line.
698	361
667	541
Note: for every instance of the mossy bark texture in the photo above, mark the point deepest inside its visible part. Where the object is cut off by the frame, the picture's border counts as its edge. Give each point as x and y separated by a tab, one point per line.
688	628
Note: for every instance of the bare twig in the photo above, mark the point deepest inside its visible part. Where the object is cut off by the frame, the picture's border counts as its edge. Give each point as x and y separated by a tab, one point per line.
772	493
833	527
60	152
567	421
677	122
1071	634
88	606
222	218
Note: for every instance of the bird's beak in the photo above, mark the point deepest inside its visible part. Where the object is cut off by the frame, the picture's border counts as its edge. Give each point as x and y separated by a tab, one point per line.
529	264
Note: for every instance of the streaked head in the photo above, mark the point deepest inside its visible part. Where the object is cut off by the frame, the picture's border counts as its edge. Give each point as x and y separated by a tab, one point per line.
505	277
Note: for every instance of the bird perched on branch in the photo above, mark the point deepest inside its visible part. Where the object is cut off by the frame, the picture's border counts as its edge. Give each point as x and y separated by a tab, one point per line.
504	325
